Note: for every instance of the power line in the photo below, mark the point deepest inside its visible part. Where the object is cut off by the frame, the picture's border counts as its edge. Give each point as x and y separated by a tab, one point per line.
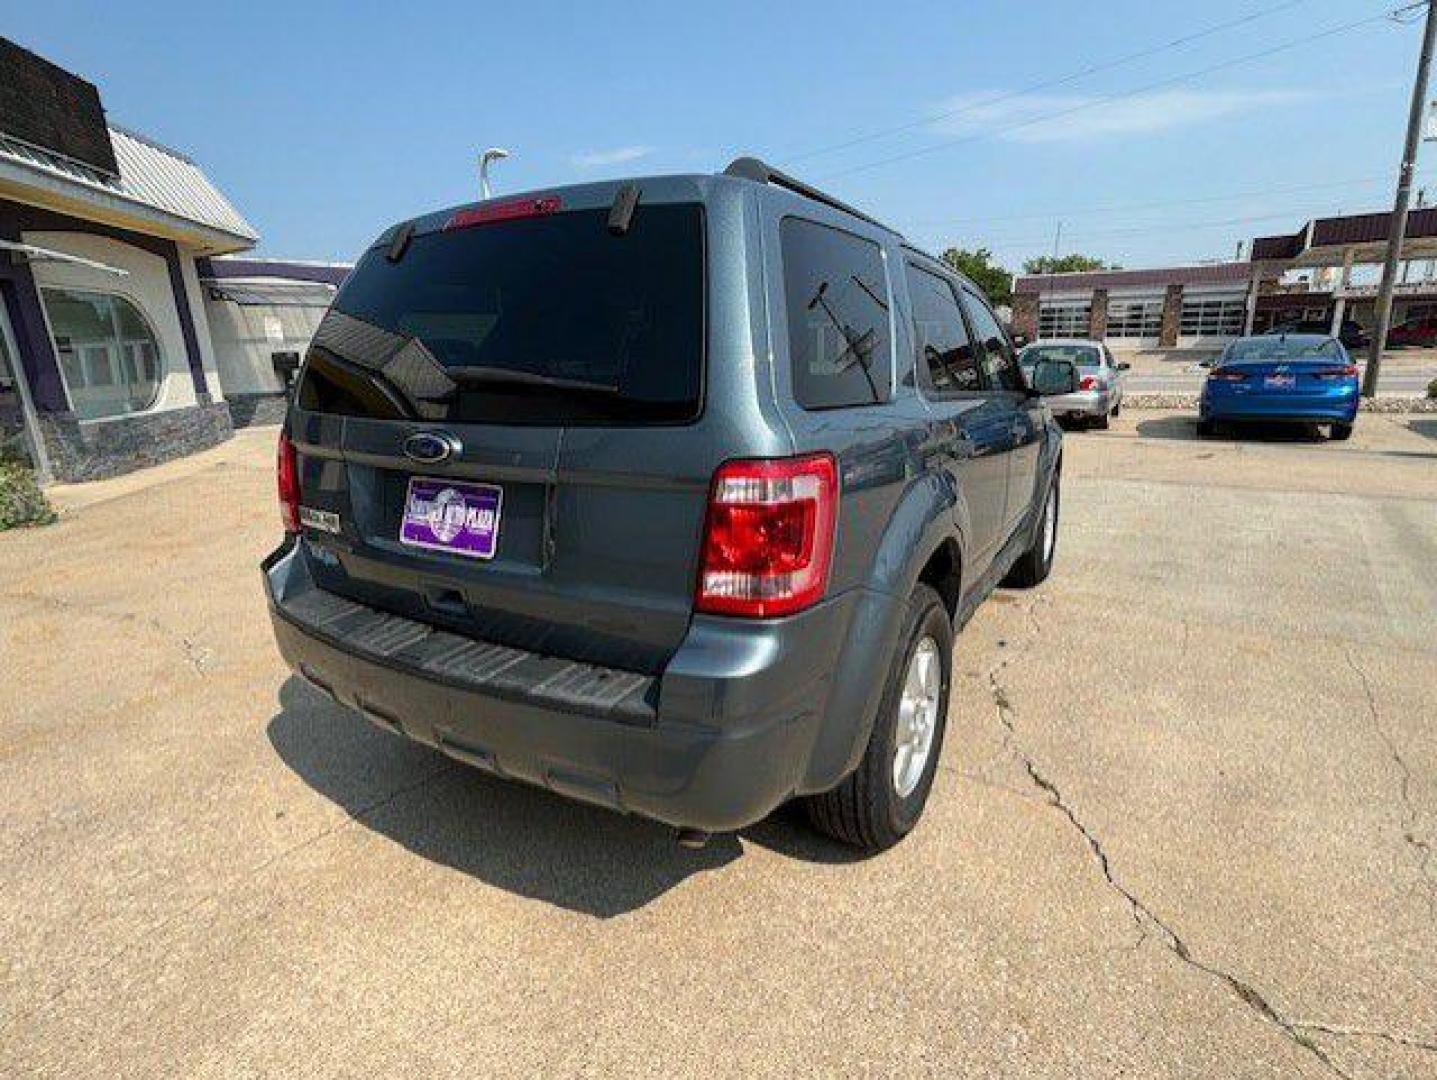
1048	84
1139	230
1111	98
1117	208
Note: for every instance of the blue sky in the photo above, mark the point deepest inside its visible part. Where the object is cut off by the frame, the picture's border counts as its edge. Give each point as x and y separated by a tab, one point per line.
325	121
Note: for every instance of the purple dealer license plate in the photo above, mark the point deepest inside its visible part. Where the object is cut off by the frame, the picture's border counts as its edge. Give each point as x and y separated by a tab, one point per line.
452	515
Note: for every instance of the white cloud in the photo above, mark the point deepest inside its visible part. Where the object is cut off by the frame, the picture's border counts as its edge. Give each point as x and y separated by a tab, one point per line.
1035	118
618	155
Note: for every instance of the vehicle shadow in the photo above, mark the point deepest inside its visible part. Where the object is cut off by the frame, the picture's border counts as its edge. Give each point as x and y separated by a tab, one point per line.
1184	429
510	835
1424	425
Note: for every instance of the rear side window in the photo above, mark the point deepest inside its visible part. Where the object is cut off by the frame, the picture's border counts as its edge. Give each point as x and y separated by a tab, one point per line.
837	300
945	356
545	320
999	359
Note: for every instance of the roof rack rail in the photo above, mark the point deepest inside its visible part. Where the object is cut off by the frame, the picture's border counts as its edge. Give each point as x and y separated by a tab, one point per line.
752	168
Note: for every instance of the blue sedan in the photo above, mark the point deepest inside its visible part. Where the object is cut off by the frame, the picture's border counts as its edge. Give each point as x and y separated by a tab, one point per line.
1302	378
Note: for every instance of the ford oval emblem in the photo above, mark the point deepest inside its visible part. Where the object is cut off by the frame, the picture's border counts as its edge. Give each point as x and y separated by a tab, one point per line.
430	447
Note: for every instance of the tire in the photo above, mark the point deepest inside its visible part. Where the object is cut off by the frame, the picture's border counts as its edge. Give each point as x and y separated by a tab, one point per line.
870	810
1340	432
1035	564
1117	410
1102	423
1206	429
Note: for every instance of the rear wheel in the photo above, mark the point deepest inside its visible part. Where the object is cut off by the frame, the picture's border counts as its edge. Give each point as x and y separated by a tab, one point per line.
1034	565
1206	429
1101	423
1340	432
880	801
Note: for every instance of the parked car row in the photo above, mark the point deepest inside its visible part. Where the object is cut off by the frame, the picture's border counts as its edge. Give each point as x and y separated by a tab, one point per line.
1273	377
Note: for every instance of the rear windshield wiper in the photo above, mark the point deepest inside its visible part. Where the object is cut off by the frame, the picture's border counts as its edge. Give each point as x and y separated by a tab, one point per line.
858	346
481	375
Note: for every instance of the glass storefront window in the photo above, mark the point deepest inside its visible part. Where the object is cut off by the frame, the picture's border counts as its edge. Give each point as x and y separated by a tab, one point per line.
1135	318
109	355
1060	320
1213	317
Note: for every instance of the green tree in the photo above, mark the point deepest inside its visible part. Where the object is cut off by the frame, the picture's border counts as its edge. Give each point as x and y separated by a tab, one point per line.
978	264
1065	264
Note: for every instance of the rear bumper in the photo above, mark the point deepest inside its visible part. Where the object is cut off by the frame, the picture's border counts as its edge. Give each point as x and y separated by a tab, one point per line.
1306	408
716	742
1085	403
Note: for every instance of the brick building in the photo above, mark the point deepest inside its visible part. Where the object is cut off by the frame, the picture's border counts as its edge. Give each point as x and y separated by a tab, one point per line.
1322	276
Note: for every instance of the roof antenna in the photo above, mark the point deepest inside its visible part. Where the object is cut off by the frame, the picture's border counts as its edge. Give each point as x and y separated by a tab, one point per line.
494	153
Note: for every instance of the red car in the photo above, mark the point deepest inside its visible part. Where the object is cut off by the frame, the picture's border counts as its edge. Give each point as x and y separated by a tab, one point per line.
1419	332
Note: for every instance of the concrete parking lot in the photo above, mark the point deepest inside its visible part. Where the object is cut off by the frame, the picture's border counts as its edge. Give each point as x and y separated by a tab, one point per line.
1185	822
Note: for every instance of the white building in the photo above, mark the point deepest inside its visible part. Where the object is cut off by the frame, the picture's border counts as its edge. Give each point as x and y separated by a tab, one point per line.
114	353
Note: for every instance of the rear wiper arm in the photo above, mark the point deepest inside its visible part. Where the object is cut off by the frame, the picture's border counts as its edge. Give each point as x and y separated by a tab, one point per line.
481	375
859	346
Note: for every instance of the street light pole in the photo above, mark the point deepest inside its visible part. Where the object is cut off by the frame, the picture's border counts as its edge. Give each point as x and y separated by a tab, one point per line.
1397	233
494	153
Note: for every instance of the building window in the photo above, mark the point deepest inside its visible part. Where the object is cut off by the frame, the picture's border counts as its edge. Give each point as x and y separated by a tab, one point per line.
1135	318
1216	317
109	355
1065	319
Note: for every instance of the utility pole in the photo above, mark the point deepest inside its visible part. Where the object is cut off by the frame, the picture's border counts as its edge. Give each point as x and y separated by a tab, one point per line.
1398	231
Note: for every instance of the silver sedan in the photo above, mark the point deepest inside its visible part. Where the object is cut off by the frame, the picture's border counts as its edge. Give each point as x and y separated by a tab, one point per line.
1100	385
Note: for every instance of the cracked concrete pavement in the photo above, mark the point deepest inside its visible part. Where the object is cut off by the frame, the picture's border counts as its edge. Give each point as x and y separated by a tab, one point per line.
1184	822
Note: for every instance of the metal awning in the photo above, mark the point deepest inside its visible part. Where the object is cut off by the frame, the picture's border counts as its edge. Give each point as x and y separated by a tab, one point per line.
271	293
40	254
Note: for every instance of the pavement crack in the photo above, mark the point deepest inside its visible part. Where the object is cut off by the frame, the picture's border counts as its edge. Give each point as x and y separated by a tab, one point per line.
197	656
1147	922
1421	848
1410	1042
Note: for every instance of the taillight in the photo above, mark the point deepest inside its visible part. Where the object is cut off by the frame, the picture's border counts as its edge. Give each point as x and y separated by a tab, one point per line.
768	540
1088	383
1224	375
1347	372
287	475
512	210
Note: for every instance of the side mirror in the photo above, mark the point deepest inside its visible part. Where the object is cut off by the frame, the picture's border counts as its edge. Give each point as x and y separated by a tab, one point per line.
1208	363
1053	377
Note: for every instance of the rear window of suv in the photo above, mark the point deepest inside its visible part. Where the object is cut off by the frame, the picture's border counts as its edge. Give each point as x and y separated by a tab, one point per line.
547	320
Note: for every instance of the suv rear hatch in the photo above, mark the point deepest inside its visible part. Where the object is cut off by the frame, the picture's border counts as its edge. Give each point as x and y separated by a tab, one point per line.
490	409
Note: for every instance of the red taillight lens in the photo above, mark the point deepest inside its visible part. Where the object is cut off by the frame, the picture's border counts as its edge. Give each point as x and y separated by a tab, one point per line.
1088	383
287	474
512	210
1347	372
768	540
1223	375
